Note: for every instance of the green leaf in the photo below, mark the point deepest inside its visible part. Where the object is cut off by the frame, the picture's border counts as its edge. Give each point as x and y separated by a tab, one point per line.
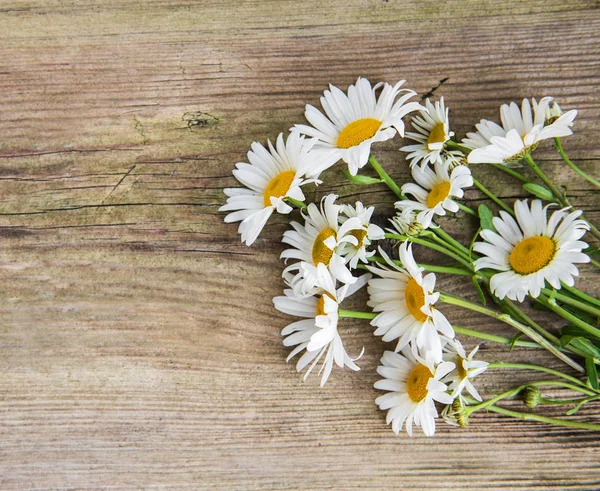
575	331
361	180
514	339
590	366
478	288
538	191
582	344
485	217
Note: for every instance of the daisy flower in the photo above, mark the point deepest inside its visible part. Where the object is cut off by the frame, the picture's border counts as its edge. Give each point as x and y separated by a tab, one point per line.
434	190
532	250
466	368
405	300
317	242
317	333
365	236
271	176
405	223
520	133
413	385
432	126
355	121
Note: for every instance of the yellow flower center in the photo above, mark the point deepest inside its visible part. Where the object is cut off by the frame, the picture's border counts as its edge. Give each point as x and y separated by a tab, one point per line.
438	194
532	254
416	385
437	135
278	186
357	132
360	235
414	296
321	304
320	252
460	368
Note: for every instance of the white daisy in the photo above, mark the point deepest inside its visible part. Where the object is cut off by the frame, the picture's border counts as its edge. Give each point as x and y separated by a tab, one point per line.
433	131
270	177
435	190
532	250
317	242
520	133
405	223
357	120
413	386
466	368
365	236
317	333
405	300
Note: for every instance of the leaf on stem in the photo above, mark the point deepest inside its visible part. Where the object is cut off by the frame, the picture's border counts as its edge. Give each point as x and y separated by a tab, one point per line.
582	344
538	191
478	288
485	217
590	367
361	180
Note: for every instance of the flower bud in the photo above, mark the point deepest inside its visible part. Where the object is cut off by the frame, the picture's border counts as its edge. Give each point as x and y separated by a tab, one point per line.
553	112
532	396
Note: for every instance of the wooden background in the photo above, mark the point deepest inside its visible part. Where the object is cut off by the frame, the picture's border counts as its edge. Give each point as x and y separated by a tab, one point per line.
138	344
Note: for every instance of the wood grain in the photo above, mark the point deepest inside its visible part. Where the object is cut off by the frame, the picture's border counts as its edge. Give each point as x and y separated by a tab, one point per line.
138	343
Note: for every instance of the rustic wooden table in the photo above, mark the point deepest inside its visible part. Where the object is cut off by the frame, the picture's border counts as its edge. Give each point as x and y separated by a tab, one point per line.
138	344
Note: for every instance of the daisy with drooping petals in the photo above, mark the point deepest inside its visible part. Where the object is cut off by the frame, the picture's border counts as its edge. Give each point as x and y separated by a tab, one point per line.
520	133
370	232
532	250
317	333
432	126
434	190
270	177
413	385
405	300
466	368
316	242
357	120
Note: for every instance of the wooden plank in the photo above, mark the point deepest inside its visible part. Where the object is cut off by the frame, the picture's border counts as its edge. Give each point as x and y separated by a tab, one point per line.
138	344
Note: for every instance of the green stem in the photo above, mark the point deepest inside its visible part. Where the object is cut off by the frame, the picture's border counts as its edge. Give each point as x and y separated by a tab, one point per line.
580	294
482	405
527	330
294	202
385	177
494	338
427	267
453	242
544	419
493	197
539	368
457	146
511	172
562	153
585	307
565	314
356	315
466	209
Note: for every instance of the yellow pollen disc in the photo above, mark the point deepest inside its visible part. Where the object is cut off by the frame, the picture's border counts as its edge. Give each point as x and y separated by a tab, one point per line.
360	236
278	186
438	194
357	132
460	368
320	252
414	296
532	254
321	304
437	135
416	385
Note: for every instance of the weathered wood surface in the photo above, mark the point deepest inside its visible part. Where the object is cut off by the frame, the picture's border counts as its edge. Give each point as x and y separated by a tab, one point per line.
138	344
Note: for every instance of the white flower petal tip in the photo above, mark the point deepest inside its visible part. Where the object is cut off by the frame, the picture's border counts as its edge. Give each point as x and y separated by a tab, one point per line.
355	120
532	250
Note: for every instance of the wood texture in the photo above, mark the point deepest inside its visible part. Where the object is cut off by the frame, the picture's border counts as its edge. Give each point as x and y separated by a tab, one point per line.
138	343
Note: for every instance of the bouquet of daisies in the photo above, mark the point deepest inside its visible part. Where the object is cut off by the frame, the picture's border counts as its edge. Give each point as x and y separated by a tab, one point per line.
528	252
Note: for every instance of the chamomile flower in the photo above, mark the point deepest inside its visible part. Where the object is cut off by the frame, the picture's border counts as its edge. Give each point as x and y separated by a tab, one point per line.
317	333
434	190
466	368
353	253
413	384
520	133
355	121
317	242
405	223
270	177
532	250
405	301
432	132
